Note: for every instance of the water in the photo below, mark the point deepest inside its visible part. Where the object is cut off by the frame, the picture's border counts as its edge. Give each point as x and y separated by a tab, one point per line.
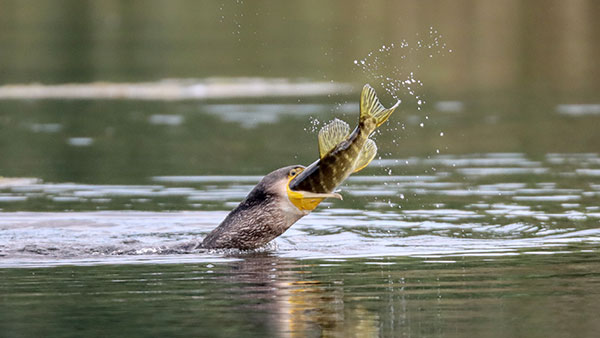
263	294
480	217
488	244
484	205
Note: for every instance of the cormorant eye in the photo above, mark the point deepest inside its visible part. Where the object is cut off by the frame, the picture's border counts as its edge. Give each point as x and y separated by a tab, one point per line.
295	172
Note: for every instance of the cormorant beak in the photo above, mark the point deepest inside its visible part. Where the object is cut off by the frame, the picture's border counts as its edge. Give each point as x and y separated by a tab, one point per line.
306	200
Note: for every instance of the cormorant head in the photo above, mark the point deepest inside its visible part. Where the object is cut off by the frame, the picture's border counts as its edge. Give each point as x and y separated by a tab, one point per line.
277	183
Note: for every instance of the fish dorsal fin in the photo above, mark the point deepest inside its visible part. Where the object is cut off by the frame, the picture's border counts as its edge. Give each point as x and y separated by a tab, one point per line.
331	135
366	155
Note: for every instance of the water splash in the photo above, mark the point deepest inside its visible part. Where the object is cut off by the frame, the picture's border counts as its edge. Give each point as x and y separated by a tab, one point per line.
392	65
395	67
236	18
315	125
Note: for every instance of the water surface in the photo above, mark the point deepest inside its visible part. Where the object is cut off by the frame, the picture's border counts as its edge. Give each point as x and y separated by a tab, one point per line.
486	244
129	130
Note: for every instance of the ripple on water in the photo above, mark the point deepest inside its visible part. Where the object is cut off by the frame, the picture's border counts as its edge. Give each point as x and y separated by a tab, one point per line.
466	211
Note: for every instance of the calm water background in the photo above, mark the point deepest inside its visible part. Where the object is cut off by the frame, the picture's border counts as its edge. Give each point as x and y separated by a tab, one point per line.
480	218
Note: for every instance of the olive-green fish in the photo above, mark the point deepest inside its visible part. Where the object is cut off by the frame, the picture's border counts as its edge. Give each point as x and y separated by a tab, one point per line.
341	153
287	194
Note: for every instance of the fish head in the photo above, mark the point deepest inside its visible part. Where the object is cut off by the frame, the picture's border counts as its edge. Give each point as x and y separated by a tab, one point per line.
305	201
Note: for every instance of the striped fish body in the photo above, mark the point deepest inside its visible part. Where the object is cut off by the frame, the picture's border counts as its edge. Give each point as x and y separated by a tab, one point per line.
341	152
327	173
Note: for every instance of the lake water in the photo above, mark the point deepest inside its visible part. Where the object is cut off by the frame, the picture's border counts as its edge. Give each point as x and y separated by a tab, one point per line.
480	217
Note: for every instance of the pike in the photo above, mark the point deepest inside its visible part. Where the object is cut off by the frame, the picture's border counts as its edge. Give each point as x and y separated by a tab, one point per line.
341	153
287	194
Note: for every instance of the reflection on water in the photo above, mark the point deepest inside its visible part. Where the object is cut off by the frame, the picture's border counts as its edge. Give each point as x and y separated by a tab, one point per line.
264	295
175	90
270	113
578	109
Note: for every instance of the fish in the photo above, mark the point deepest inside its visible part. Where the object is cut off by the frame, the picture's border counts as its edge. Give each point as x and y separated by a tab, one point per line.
287	194
341	153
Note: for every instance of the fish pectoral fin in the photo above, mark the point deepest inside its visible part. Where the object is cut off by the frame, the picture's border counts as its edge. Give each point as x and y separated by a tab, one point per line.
366	155
310	195
331	135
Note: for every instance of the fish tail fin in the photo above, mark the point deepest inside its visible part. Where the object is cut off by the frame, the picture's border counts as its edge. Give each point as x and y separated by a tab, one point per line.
370	107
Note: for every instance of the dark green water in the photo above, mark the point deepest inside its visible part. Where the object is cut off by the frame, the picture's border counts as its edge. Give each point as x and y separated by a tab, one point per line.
479	218
262	295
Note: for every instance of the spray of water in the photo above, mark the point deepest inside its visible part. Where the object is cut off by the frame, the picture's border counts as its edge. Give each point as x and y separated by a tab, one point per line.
235	19
395	66
314	126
